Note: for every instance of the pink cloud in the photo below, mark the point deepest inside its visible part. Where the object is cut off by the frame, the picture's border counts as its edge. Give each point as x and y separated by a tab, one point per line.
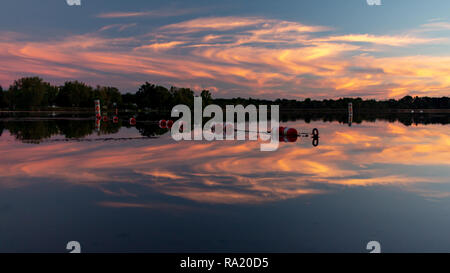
245	56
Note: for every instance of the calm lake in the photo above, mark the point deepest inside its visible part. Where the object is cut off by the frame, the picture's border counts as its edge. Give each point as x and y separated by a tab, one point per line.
133	189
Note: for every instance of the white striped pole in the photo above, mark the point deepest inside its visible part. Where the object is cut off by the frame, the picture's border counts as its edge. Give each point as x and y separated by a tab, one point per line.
350	114
98	112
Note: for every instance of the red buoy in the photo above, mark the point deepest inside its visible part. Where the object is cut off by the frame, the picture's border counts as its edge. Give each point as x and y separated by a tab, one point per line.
169	124
286	131
132	121
217	128
228	129
97	125
162	124
115	119
290	132
98	112
105	118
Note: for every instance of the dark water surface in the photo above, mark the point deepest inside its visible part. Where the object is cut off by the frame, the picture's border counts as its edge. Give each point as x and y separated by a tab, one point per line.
116	190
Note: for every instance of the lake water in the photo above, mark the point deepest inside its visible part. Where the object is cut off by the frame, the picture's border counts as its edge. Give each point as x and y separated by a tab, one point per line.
128	189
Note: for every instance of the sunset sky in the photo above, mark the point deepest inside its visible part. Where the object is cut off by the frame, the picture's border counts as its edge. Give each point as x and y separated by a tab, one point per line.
258	48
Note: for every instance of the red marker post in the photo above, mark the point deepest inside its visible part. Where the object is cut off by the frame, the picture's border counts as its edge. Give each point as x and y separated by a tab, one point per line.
98	112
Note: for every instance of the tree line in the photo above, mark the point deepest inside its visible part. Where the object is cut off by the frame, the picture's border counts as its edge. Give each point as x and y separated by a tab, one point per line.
36	131
159	97
407	102
34	92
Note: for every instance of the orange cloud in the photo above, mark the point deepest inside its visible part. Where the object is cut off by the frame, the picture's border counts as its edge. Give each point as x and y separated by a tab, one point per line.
161	46
243	56
214	23
385	40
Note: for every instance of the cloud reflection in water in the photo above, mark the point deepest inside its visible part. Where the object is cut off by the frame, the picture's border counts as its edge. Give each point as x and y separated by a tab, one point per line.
414	158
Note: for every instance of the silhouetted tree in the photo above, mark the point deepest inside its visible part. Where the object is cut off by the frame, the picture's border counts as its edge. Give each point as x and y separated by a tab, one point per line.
2	102
128	100
108	95
28	92
182	96
50	97
206	97
75	94
150	95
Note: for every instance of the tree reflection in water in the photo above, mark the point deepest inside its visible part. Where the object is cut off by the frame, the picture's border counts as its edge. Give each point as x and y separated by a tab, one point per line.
36	130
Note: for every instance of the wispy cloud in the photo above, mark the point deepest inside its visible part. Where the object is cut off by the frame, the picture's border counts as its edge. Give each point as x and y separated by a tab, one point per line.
161	46
153	13
250	56
119	27
125	14
434	25
398	40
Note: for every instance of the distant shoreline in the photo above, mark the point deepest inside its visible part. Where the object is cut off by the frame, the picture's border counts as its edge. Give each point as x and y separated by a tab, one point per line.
400	111
310	110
